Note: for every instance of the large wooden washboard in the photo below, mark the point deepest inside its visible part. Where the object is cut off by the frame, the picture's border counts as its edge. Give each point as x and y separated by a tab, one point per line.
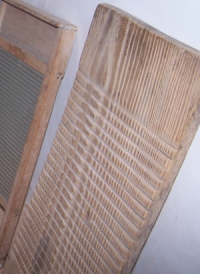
129	121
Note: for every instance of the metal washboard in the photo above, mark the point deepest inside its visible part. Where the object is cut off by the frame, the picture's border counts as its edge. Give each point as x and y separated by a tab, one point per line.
20	85
34	51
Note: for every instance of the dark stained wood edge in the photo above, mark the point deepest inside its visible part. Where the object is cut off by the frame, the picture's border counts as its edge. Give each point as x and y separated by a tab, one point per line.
23	56
44	16
3	202
55	71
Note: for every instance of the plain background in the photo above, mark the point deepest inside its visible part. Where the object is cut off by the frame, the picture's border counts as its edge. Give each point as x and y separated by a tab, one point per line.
174	243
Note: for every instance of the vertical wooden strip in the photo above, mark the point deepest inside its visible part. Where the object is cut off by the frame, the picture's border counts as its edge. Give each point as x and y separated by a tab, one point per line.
2	12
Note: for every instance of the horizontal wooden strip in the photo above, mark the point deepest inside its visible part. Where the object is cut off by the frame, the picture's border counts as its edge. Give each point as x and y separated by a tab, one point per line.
22	55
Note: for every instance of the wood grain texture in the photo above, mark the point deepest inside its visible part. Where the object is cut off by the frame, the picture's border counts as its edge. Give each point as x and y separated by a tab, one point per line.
127	126
42	15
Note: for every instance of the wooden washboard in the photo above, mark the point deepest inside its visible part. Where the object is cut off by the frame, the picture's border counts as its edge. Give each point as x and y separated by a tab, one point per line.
129	121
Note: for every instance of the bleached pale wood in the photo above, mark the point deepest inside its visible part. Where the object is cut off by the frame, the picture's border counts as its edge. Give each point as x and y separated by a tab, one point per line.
127	126
60	49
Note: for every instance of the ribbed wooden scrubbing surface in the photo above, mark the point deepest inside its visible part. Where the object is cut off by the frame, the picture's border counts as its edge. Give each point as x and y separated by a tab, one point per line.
130	118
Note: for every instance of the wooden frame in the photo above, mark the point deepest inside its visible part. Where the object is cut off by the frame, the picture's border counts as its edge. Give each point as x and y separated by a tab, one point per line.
50	61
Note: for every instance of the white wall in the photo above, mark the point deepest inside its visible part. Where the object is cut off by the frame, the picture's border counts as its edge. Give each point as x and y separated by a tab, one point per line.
174	244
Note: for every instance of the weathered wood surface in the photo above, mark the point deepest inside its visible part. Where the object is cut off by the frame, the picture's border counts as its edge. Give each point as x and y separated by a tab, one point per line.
31	36
129	121
42	15
56	61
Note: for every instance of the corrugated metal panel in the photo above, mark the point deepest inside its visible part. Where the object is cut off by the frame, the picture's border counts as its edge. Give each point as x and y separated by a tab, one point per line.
19	89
